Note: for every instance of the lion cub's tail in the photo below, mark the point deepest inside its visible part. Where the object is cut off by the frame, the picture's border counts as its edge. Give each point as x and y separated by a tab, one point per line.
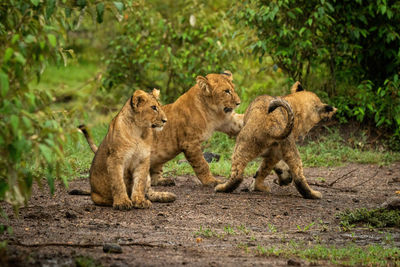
279	102
89	139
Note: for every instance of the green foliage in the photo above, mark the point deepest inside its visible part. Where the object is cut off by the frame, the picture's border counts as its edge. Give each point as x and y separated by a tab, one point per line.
157	48
375	218
352	46
32	35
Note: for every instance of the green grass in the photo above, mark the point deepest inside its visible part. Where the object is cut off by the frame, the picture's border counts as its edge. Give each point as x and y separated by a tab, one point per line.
350	255
329	151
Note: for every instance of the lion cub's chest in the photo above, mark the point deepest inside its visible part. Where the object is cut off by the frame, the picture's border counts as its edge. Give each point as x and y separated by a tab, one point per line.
138	153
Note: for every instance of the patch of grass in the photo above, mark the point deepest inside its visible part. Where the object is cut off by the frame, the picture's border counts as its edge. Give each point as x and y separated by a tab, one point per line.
350	255
205	233
229	230
331	150
375	218
305	228
86	261
78	153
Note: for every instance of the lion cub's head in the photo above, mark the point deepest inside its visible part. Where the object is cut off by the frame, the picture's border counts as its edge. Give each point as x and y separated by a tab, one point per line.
147	109
313	109
219	91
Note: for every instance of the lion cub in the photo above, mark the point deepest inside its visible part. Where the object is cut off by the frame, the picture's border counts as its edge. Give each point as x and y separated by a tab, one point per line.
119	175
271	133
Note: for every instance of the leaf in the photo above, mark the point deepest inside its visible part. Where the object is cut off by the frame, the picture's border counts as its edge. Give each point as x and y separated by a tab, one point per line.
35	2
81	3
8	54
119	6
52	39
51	4
46	152
100	12
20	58
14	121
4	85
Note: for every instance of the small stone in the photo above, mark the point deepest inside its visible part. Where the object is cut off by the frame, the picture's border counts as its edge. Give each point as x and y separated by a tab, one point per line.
112	248
286	213
355	200
392	203
329	201
209	157
70	215
292	262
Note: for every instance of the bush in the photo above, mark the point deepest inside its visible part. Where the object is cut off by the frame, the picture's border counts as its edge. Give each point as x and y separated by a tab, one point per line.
352	46
158	48
31	134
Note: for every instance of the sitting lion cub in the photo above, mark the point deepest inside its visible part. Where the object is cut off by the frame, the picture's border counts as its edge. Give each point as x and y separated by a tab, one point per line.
119	175
271	133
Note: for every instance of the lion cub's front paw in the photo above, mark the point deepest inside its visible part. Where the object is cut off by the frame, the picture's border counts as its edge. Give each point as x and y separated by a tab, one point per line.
212	182
141	202
220	188
123	204
261	188
315	195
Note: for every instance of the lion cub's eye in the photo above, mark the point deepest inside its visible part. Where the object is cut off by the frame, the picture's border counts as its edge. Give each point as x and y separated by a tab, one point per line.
227	91
154	107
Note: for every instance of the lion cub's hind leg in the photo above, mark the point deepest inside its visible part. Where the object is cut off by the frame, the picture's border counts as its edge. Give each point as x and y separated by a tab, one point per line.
265	168
292	157
242	155
101	201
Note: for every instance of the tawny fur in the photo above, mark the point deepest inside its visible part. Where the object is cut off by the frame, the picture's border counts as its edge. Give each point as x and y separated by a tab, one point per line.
192	119
207	107
119	174
260	137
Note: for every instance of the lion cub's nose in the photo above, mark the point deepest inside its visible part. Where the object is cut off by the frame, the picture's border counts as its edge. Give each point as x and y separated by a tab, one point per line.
164	120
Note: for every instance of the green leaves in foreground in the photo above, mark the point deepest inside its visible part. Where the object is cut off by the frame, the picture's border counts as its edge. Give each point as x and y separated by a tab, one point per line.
375	218
32	135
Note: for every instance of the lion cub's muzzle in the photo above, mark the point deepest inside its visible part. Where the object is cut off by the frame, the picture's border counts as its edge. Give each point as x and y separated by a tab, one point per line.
227	110
159	126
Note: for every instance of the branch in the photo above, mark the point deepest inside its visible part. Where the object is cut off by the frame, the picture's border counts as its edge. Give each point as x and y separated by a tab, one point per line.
61	244
341	177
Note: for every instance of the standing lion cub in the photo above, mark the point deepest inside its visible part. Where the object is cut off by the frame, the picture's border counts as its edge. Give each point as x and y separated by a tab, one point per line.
119	174
271	133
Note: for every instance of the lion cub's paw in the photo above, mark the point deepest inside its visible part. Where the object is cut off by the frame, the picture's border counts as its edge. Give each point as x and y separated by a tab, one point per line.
166	182
220	188
123	204
141	202
212	182
261	188
314	195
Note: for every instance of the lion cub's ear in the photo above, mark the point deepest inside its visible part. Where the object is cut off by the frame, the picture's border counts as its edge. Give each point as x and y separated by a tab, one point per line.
204	85
228	74
138	98
156	93
296	87
327	111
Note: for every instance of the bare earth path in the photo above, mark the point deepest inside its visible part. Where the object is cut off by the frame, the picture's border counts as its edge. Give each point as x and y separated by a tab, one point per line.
54	230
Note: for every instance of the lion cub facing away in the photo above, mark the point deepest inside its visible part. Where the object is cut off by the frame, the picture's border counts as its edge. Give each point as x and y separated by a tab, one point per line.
119	175
271	133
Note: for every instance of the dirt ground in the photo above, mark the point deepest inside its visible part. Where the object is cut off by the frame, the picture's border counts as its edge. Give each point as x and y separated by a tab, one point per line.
55	230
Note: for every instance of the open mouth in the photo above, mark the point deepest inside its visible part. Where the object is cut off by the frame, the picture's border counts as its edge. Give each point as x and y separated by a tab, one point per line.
227	110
